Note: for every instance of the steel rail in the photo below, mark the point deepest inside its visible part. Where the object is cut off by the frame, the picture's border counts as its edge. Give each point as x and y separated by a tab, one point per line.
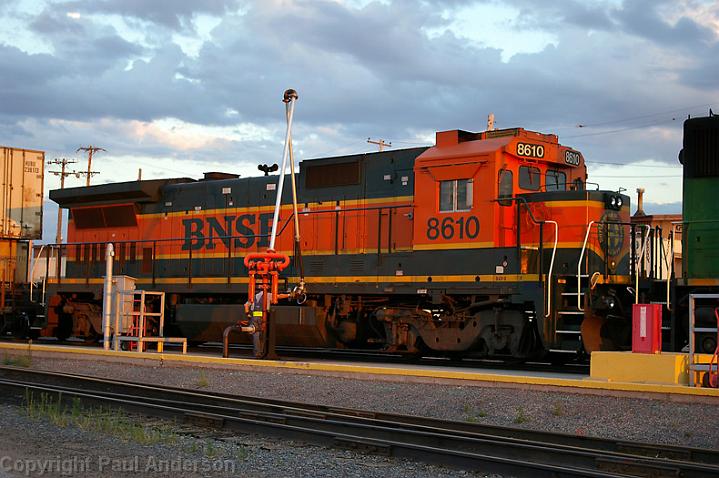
435	434
454	458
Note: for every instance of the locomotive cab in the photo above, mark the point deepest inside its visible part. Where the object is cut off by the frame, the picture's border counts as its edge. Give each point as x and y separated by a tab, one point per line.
507	197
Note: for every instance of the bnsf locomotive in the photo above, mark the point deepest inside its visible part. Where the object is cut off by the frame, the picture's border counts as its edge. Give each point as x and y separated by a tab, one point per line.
486	244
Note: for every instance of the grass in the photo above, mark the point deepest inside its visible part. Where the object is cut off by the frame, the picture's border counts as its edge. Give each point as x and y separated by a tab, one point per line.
471	416
103	420
202	381
521	417
120	425
19	361
557	410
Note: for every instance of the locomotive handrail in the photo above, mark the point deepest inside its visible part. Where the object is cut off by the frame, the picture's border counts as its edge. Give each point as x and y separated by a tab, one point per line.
639	259
551	266
565	183
669	262
287	222
522	200
32	269
579	267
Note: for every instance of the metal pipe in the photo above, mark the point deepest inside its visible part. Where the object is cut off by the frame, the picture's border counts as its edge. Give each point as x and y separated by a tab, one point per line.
119	300
107	297
293	181
250	329
289	98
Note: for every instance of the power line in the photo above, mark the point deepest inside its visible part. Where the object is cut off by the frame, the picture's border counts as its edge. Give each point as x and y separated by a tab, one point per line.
632	118
589	163
642	176
620	130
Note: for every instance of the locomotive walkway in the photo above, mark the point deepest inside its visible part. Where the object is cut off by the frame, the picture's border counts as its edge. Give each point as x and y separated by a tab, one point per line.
577	383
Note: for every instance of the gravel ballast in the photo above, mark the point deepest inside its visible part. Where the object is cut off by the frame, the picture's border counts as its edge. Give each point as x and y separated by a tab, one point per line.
629	418
29	444
624	418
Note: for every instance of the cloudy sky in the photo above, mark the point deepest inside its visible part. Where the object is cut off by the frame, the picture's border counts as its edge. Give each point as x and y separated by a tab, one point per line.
178	87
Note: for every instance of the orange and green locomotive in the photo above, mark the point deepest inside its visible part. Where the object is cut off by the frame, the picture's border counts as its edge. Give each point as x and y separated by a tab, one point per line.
485	244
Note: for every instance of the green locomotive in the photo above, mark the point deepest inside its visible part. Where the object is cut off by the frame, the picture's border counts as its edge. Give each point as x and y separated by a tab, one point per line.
700	235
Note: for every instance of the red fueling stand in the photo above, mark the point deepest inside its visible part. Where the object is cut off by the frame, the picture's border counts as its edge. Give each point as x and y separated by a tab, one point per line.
647	328
264	269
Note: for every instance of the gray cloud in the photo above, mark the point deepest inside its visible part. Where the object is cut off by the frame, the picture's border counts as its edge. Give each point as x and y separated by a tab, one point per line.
360	72
641	17
173	14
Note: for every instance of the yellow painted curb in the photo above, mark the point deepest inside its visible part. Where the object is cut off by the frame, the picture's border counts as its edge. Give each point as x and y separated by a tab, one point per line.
375	370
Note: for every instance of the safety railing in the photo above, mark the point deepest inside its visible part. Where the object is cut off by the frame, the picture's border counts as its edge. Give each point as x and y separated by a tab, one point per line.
637	254
695	368
220	255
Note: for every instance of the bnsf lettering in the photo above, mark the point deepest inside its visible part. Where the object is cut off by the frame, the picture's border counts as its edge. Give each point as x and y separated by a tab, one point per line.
208	232
448	228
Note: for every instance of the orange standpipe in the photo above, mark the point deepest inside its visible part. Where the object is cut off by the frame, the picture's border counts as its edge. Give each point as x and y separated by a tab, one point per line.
264	268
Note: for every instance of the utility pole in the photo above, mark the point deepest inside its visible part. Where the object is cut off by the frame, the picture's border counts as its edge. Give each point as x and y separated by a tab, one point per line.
63	173
381	143
90	151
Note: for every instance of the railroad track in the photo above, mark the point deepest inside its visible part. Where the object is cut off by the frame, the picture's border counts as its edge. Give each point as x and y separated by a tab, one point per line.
472	446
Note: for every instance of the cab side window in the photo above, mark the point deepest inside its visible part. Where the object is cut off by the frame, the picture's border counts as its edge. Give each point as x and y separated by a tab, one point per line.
505	187
556	180
530	178
455	195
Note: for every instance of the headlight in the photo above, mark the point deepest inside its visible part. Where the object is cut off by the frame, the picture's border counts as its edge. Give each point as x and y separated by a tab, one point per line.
619	202
613	201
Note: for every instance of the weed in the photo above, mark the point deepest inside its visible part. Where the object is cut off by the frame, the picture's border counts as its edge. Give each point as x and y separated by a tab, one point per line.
241	453
193	447
210	449
471	416
19	361
521	417
202	380
107	421
557	410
